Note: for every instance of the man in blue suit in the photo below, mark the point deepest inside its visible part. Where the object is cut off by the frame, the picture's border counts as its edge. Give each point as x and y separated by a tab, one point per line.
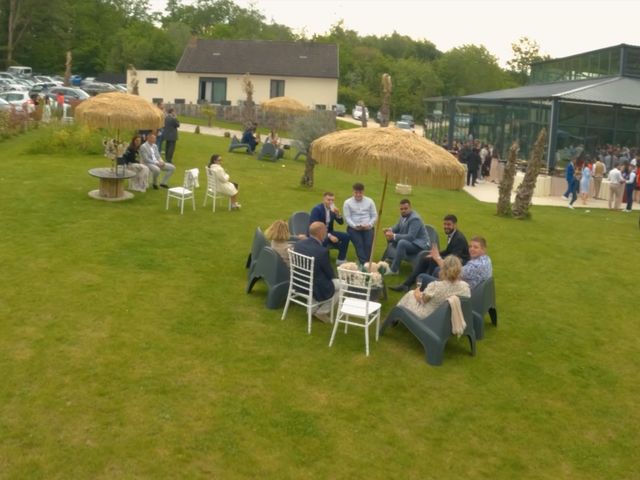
325	285
407	237
327	213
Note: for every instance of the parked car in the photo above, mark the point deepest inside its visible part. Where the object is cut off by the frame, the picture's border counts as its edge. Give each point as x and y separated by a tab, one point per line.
71	95
7	76
340	110
20	71
121	87
4	105
41	88
408	118
46	79
95	88
356	113
404	125
18	99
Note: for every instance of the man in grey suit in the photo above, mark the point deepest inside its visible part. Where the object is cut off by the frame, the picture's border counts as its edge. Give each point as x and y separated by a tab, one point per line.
170	134
151	158
407	237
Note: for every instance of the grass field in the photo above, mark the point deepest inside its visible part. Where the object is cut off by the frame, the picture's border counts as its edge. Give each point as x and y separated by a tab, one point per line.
128	348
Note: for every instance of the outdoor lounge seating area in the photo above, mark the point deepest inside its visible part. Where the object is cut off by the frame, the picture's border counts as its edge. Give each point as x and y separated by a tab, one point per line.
96	363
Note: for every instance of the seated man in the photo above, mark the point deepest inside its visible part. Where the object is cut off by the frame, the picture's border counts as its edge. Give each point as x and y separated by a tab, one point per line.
474	272
456	245
327	212
249	137
325	285
407	237
151	158
361	215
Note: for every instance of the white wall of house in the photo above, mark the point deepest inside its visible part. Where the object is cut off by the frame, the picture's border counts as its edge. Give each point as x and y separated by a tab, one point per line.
169	86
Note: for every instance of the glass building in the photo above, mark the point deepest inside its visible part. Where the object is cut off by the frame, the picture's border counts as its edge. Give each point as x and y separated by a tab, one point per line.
585	101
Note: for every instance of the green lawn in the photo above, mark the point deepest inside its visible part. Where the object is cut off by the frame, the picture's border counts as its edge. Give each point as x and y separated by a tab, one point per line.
128	348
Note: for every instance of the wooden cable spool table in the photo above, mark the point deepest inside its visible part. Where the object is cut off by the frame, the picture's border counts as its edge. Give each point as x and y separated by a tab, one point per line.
111	184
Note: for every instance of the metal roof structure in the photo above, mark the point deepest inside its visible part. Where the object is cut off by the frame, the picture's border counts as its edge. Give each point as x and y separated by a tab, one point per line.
618	90
259	57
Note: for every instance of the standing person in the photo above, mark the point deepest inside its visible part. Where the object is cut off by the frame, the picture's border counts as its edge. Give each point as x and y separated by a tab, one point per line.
170	133
629	187
598	174
574	184
456	245
473	163
585	183
325	285
407	237
159	136
151	158
569	175
327	213
361	215
140	182
224	186
46	110
616	183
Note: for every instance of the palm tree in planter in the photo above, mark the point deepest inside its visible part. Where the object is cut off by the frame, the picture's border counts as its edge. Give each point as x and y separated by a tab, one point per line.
386	100
305	130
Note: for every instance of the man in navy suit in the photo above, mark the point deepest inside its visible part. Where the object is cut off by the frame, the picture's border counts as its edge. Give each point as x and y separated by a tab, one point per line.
327	213
325	285
456	245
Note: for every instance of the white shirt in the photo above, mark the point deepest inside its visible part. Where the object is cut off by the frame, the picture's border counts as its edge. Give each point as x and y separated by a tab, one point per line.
615	176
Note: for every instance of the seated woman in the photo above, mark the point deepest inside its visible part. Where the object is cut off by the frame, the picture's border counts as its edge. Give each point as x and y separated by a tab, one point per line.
278	234
140	182
224	186
249	137
423	303
273	139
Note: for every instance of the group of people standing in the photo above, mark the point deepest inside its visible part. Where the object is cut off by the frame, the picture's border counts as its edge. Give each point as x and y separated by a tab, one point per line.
481	159
623	181
454	270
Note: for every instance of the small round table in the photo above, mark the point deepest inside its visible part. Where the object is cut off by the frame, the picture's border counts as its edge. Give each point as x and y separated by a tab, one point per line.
111	184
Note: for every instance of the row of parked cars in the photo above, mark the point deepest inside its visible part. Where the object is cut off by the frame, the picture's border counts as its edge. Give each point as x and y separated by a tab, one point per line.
17	91
406	121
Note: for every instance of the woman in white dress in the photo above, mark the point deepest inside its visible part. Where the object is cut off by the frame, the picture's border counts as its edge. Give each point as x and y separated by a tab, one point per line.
224	186
423	303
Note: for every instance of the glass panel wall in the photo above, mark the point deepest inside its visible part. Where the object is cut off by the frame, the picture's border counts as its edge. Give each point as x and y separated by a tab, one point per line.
587	65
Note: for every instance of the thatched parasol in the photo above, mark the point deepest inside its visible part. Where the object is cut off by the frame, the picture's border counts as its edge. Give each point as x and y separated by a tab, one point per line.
398	155
283	105
120	111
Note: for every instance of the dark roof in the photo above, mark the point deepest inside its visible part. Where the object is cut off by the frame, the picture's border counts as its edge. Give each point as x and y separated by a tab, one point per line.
258	57
606	90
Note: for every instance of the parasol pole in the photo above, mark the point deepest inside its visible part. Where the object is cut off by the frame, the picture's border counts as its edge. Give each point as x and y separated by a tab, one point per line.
375	232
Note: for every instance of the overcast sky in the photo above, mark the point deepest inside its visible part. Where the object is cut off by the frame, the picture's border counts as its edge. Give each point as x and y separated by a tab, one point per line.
561	27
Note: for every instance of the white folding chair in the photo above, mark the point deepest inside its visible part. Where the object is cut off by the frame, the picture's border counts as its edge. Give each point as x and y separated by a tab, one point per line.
212	190
354	306
301	286
186	191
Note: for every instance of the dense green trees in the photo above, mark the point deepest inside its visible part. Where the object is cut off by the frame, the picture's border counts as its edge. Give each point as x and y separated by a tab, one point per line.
107	35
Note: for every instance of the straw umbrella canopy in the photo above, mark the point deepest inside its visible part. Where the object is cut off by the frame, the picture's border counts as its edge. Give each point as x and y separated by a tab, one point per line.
120	111
396	154
284	105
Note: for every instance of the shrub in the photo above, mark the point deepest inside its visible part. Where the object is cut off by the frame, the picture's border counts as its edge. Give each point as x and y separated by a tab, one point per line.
67	138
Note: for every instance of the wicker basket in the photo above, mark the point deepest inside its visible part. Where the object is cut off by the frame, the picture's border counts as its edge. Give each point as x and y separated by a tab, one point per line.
403	189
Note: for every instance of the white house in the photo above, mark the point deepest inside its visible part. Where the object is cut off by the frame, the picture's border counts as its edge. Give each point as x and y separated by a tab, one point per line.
212	71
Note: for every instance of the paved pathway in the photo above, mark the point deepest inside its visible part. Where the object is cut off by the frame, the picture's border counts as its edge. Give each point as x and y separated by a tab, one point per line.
488	192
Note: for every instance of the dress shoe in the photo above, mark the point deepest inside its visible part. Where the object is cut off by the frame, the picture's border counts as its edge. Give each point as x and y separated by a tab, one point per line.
155	187
164	185
323	317
399	288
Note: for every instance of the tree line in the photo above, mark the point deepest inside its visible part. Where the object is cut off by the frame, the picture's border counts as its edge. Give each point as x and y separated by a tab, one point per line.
108	35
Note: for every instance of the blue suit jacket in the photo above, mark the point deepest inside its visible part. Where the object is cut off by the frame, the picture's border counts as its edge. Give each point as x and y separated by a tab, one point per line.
413	230
317	215
323	275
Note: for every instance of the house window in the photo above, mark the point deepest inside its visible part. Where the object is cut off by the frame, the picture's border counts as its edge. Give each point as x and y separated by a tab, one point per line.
277	88
213	90
157	101
153	80
321	107
179	101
